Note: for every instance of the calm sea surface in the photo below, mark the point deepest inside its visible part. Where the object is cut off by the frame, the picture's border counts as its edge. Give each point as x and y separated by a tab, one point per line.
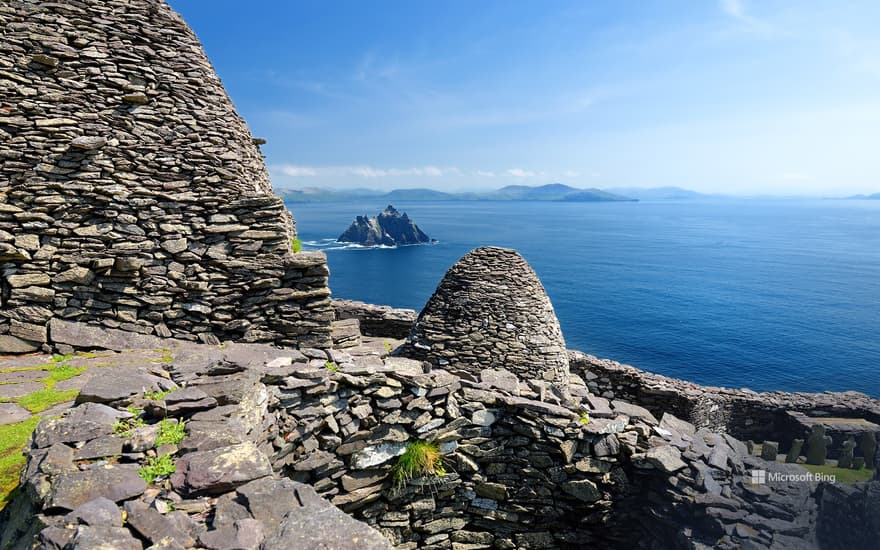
765	295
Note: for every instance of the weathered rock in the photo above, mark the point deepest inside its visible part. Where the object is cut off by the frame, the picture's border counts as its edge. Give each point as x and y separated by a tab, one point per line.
97	512
584	490
114	482
242	533
11	413
389	228
794	451
769	450
101	537
665	458
846	453
220	470
153	526
817	445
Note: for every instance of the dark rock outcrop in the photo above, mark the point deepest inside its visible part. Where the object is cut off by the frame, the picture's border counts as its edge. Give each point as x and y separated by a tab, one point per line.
389	228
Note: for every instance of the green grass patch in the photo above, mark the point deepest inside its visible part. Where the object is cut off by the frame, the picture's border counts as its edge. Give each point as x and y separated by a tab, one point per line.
41	400
63	372
156	395
841	475
584	418
388	347
296	245
157	467
13	439
332	367
171	432
421	459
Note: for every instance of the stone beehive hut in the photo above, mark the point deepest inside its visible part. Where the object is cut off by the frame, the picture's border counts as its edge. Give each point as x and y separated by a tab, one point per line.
490	311
131	192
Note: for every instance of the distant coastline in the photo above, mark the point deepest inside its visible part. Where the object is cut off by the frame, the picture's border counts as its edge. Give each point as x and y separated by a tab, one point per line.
549	192
553	192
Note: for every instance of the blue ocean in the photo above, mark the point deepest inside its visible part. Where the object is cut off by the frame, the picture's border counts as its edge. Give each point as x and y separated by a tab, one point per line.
769	295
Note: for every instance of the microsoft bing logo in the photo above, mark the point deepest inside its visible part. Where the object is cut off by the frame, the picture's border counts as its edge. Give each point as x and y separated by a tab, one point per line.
759	477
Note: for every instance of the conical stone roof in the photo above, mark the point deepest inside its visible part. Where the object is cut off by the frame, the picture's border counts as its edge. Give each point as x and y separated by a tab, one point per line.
491	311
132	194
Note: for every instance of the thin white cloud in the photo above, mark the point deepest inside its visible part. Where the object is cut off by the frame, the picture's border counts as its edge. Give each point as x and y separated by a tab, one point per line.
571	174
297	171
733	8
520	173
484	173
362	171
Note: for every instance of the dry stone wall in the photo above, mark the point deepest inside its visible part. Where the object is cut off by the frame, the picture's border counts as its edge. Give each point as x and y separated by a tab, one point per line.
131	193
268	430
743	413
491	311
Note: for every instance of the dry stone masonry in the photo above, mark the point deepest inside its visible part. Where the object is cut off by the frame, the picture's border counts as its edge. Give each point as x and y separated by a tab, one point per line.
278	441
491	311
132	195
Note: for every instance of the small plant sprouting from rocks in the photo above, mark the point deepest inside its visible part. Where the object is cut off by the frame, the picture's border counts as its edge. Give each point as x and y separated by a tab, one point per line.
421	458
170	432
332	367
584	418
296	245
156	467
125	426
388	346
155	395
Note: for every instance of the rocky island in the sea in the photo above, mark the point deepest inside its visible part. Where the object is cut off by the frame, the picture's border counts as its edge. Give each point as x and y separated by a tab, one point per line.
389	228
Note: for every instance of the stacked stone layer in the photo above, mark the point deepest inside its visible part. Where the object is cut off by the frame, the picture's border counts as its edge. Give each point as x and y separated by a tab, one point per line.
491	311
131	192
267	428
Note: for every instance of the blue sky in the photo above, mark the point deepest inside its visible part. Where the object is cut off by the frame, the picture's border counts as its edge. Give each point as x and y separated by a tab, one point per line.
731	96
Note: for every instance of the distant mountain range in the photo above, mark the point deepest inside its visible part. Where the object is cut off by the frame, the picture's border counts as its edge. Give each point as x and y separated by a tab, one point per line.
875	197
549	192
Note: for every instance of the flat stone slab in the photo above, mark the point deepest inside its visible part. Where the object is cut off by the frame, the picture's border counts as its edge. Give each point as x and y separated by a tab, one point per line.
18	376
11	391
117	483
10	413
117	384
220	470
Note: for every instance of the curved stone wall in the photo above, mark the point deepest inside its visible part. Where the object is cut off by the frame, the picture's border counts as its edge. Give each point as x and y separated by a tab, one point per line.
131	192
491	311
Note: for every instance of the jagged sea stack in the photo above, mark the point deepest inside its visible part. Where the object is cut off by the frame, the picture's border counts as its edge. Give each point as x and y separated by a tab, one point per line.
132	195
491	311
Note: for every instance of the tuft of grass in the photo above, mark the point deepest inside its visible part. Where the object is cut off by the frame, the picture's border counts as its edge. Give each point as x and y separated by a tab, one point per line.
841	475
157	467
13	439
421	458
125	426
171	432
153	395
62	358
61	372
332	367
584	418
296	245
41	400
388	347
